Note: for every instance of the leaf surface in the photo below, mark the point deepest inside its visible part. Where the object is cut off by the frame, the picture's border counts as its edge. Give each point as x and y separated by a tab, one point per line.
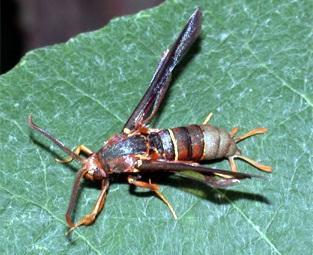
252	68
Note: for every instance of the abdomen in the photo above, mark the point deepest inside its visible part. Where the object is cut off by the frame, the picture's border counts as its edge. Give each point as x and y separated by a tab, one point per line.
193	143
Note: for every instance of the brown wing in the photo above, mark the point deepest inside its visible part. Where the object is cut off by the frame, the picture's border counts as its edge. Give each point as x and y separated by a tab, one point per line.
149	104
216	178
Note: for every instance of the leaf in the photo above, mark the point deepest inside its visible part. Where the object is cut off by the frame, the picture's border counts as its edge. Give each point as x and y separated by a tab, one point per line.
252	67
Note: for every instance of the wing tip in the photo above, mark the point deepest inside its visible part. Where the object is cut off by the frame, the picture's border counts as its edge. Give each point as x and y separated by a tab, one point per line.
196	15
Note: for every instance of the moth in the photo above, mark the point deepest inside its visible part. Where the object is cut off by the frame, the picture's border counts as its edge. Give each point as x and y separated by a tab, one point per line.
140	150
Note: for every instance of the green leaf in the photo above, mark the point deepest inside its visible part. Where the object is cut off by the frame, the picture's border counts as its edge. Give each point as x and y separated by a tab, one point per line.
251	68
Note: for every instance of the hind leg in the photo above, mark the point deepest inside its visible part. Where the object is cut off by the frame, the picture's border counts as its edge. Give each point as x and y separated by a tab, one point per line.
257	165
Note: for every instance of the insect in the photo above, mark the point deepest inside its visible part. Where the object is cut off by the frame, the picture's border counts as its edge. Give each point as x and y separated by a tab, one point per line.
139	150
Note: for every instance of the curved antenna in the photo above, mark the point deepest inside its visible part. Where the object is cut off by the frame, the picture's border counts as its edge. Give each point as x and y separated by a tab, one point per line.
74	196
54	140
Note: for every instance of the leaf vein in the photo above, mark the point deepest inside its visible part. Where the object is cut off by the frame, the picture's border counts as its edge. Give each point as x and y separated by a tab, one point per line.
284	83
254	226
17	196
291	116
94	100
16	124
188	210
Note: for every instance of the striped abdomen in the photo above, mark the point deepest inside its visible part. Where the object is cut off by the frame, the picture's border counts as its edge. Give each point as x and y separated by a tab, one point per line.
193	143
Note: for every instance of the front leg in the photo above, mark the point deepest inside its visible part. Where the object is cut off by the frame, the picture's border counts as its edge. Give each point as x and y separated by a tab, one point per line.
81	148
88	219
153	187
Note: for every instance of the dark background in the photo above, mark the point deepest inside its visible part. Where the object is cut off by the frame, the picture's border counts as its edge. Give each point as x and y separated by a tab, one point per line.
29	24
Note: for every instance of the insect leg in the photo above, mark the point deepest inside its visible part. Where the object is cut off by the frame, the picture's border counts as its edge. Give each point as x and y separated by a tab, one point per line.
252	132
232	164
91	217
77	151
207	119
233	131
153	187
257	165
254	163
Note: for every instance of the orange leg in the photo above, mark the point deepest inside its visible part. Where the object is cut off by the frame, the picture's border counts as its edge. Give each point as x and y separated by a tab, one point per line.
88	219
232	164
207	119
233	131
252	132
257	165
153	187
77	151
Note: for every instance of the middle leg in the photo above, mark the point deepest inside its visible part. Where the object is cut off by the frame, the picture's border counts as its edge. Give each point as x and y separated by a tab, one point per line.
153	187
77	151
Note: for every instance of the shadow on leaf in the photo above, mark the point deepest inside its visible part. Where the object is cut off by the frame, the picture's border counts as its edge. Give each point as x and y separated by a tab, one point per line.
54	154
197	188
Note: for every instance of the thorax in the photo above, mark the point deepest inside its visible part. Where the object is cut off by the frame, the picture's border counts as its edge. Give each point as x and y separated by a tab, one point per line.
121	152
